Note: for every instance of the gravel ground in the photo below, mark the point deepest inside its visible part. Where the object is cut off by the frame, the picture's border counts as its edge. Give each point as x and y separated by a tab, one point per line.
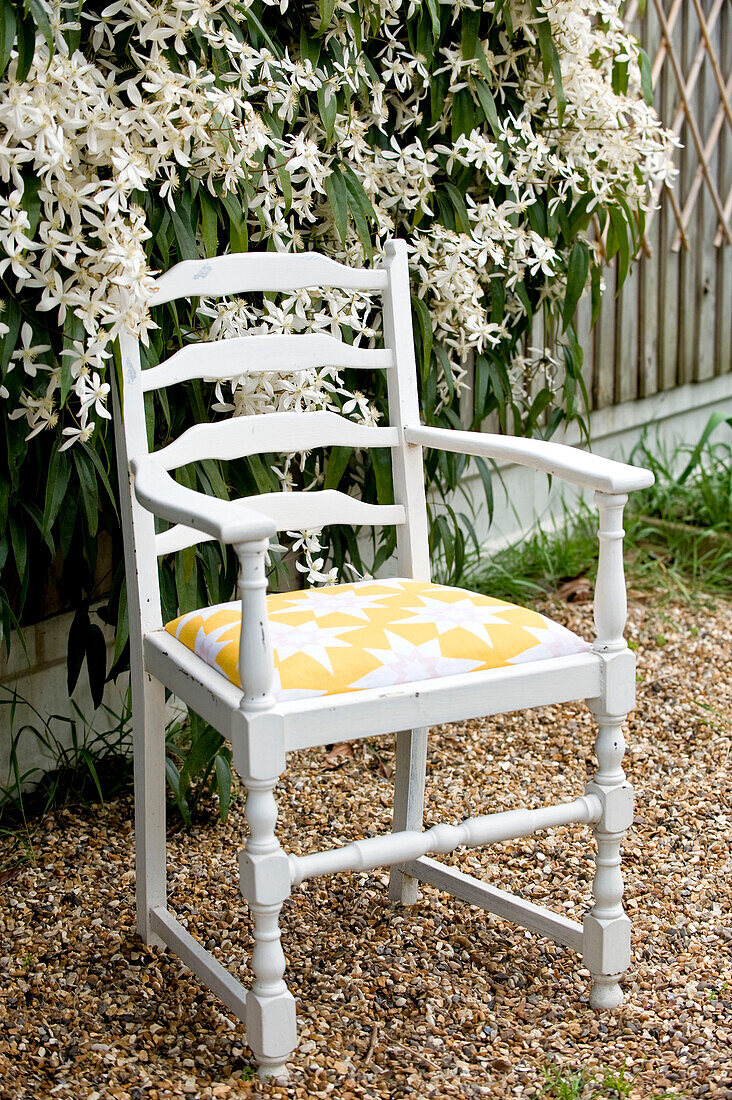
437	1001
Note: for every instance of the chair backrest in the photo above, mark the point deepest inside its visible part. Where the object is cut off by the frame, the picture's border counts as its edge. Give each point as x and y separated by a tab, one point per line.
286	432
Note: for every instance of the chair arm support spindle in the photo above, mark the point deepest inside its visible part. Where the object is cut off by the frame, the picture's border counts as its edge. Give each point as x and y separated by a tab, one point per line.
611	602
256	668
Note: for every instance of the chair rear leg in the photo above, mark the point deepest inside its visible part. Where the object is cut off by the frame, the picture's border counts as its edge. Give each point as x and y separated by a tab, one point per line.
606	929
409	780
148	722
265	883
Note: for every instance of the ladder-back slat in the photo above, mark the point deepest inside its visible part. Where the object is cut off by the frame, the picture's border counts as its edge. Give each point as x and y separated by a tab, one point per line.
295	512
285	432
222	359
242	273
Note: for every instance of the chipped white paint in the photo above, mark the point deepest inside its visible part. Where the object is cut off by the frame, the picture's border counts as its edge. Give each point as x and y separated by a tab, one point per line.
262	731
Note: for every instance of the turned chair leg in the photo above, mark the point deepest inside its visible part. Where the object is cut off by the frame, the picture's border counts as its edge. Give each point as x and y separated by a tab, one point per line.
148	724
409	779
265	883
606	929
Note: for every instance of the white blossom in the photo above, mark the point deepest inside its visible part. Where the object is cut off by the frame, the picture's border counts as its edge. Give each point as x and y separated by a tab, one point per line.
92	138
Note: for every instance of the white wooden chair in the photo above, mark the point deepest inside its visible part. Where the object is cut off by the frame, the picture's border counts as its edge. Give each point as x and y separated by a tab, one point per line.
262	728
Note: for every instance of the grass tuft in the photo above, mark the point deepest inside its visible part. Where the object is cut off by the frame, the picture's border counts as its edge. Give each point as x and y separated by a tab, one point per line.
557	1085
678	532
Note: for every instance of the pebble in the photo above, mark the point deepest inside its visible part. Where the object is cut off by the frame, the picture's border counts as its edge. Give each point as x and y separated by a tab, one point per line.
436	1001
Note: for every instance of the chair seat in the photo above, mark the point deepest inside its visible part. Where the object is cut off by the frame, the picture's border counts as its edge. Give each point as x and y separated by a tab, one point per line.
377	633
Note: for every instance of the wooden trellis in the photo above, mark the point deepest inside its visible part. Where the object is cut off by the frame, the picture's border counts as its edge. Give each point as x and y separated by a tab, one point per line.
707	53
671	323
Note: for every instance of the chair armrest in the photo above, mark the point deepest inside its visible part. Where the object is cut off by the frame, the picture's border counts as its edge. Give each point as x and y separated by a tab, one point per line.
568	463
224	520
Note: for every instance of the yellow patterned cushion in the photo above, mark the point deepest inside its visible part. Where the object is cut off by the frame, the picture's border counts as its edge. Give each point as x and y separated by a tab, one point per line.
372	634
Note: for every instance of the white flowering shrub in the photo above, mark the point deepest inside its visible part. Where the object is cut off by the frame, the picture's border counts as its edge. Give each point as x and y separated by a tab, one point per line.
140	132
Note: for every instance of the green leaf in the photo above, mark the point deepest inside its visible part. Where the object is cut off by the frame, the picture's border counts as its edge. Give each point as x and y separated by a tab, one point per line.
327	109
381	462
238	233
76	648
91	767
326	9
536	214
577	271
4	504
481	390
433	7
361	209
214	481
122	632
337	465
67	523
286	185
596	287
31	203
209	224
309	47
184	235
424	326
486	479
458	202
354	185
222	765
550	62
621	244
542	400
558	85
463	114
96	461
446	369
544	37
12	317
89	489
469	33
186	579
203	750
620	77
7	33
265	478
40	17
523	296
19	543
488	106
173	777
259	28
712	424
96	662
578	218
438	94
73	331
59	471
26	46
335	187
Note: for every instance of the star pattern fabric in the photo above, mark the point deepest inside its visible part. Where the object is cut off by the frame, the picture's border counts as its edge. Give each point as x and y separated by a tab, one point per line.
351	637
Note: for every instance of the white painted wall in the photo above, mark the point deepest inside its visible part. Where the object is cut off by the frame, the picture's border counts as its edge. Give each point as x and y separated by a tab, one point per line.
524	499
39	683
